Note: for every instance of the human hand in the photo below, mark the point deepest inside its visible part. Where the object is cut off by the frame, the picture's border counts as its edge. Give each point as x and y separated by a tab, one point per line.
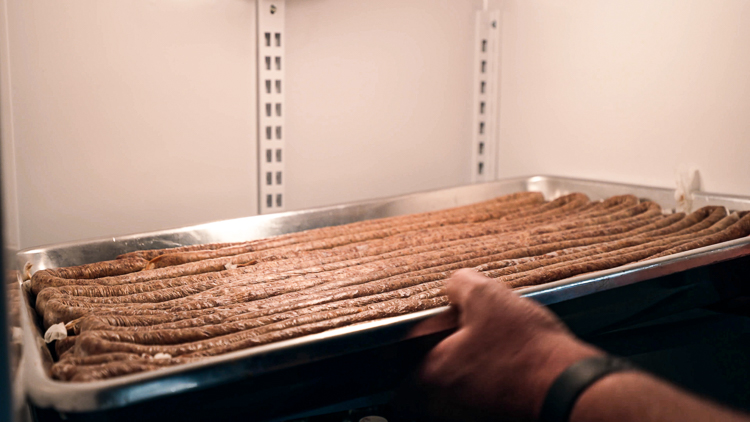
501	360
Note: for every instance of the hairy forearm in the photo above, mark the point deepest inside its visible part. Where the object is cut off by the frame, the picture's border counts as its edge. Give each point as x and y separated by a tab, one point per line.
636	396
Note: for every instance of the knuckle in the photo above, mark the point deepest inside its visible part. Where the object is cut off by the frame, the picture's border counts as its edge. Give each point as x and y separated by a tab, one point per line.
464	273
477	288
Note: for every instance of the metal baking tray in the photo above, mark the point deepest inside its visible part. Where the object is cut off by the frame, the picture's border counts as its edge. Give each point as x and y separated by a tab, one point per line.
588	302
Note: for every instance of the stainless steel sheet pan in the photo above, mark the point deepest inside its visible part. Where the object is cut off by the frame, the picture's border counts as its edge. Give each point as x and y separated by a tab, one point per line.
220	370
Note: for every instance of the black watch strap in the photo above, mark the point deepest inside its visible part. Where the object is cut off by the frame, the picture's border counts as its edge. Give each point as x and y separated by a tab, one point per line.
566	389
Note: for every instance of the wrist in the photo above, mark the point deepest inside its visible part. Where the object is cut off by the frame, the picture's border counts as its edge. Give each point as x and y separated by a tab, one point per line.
556	353
585	407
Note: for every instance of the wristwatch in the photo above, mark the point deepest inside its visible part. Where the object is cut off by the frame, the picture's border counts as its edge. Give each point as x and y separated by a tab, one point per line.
565	390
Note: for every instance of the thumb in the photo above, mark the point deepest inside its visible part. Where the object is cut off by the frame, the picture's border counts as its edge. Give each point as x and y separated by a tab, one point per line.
464	285
473	293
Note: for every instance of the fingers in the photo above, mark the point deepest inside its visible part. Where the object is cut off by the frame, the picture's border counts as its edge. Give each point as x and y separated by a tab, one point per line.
466	290
466	285
463	284
441	322
439	365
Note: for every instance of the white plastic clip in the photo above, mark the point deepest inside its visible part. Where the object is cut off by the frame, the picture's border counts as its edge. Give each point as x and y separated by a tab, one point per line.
27	271
688	181
55	332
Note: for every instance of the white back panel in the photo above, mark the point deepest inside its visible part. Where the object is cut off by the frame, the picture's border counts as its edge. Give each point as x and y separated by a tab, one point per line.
627	90
379	98
131	116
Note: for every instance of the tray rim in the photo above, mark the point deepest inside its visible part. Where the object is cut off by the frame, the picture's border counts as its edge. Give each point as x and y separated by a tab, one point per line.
699	195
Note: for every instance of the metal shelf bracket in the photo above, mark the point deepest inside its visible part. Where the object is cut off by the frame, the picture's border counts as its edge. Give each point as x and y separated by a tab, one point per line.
484	127
271	134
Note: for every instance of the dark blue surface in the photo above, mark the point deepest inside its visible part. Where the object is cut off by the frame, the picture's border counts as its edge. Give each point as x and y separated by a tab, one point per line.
5	391
6	398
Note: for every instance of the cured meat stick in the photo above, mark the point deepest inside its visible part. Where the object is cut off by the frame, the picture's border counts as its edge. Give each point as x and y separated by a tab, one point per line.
165	336
316	283
148	254
88	344
615	201
45	278
269	315
161	336
655	245
231	319
556	258
442	267
354	262
522	197
490	209
172	294
495	207
740	228
140	312
88	271
201	305
433	239
97	280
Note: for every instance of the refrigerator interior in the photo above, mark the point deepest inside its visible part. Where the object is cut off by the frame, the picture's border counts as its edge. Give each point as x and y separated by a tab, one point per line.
128	117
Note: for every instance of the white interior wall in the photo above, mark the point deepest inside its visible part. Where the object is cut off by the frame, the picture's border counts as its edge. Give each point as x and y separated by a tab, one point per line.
135	116
379	98
11	233
130	116
627	90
